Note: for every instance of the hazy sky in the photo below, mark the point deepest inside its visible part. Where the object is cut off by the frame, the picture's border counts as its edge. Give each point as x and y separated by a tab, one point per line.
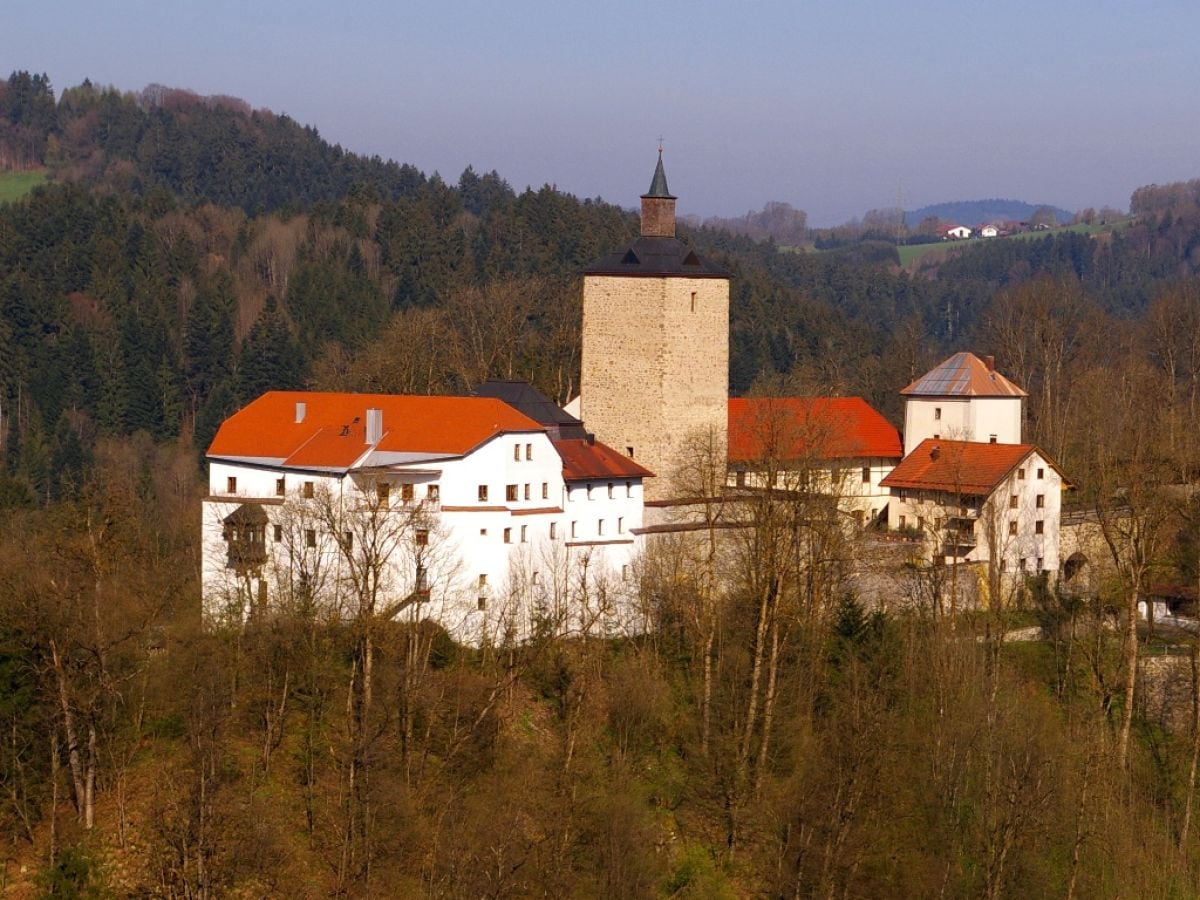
835	107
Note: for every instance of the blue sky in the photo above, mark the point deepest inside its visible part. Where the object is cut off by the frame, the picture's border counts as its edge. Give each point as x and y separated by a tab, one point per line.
835	107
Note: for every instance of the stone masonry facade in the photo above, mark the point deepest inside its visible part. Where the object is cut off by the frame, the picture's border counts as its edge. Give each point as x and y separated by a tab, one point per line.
655	371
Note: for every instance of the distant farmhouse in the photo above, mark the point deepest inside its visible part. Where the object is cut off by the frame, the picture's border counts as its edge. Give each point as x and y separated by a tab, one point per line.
499	514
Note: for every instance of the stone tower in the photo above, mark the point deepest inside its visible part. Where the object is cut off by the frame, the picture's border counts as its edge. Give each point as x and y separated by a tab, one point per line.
655	368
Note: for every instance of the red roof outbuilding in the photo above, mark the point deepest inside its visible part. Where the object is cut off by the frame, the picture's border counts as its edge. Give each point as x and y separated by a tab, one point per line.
959	467
791	428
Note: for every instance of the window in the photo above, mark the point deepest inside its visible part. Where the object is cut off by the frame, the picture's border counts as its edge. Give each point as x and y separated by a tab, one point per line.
991	438
866	475
482	582
937	414
422	579
1041	501
1041	473
279	487
553	530
231	485
433	493
620	524
422	537
510	493
1021	474
545	490
483	493
1023	561
629	452
574	529
483	532
921	522
535	578
693	301
903	521
482	602
610	490
406	493
629	489
278	533
1012	501
308	490
310	537
1038	527
529	451
589	492
383	492
508	535
625	573
517	452
1041	563
526	492
349	539
600	527
524	533
1012	527
1003	565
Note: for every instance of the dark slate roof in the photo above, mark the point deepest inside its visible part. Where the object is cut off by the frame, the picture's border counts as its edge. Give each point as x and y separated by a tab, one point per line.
658	186
654	256
529	401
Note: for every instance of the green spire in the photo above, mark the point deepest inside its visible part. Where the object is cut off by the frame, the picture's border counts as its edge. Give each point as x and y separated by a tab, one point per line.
658	187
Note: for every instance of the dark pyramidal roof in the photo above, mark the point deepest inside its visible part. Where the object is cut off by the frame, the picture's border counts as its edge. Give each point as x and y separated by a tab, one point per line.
658	186
531	402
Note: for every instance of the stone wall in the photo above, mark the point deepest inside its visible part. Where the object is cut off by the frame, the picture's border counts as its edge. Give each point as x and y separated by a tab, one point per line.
655	367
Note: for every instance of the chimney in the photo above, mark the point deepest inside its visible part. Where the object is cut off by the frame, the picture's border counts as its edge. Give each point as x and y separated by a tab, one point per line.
301	411
935	452
591	439
374	426
990	362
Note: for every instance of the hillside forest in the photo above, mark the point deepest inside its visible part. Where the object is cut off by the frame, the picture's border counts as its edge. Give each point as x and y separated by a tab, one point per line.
775	735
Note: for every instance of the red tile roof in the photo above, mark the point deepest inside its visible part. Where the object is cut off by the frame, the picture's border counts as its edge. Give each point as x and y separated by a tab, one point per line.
963	375
959	467
583	460
792	428
332	433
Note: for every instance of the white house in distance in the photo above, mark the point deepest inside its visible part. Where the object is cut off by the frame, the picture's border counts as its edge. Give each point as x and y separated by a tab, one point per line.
847	444
462	510
956	233
988	231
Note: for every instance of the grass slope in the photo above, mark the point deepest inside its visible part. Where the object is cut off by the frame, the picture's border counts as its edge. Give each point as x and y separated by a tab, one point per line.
14	185
912	254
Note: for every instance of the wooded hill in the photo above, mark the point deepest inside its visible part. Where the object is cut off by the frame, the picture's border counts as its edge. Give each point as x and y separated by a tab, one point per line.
778	736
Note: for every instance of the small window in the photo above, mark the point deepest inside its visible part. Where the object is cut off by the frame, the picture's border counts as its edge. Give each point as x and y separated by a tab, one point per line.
483	581
629	452
526	492
483	493
589	492
517	452
348	539
310	537
535	578
508	535
483	532
406	493
937	414
1021	474
693	301
1041	473
629	489
279	487
1023	562
1038	527
1041	564
510	493
433	493
625	573
383	492
529	451
921	523
620	524
574	529
600	527
1003	565
903	521
524	533
545	490
422	537
278	533
553	530
610	490
1041	501
1012	527
481	603
866	475
1012	501
308	490
231	485
991	438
